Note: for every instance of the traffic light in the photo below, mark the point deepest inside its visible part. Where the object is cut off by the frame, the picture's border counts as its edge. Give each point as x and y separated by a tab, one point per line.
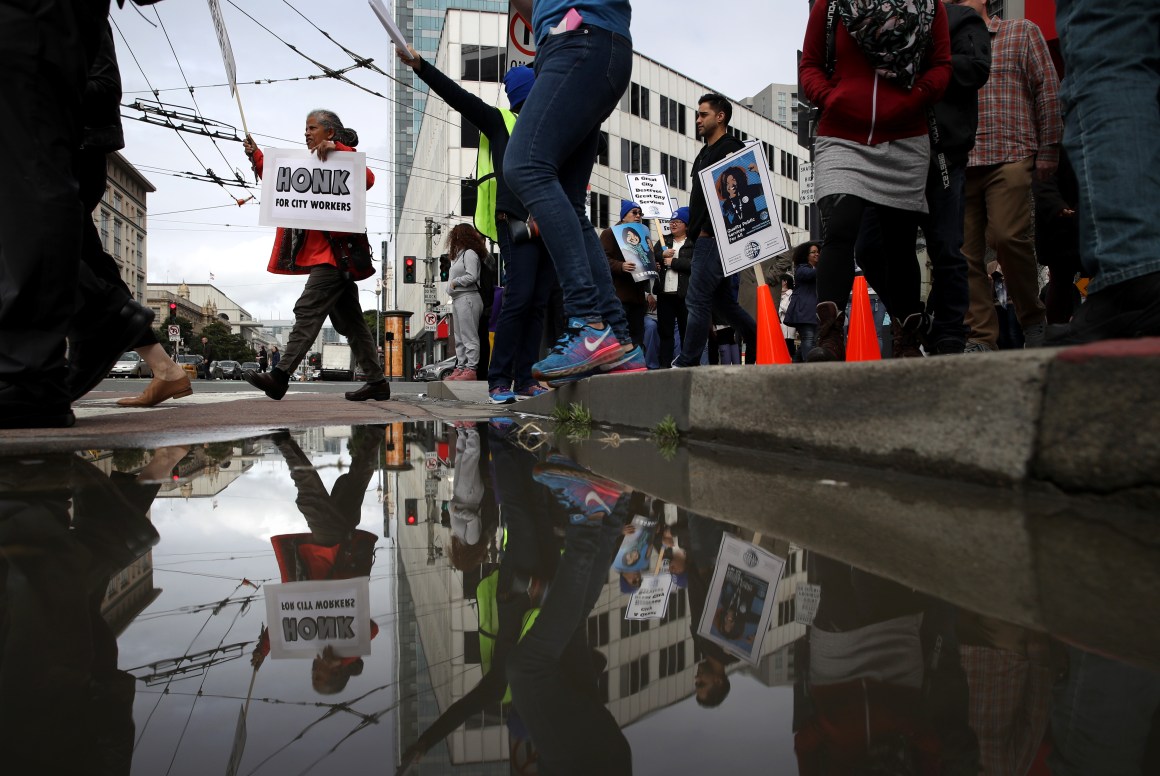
444	267
408	269
172	310
411	511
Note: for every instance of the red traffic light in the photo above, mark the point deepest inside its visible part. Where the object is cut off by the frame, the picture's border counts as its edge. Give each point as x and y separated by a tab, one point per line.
412	520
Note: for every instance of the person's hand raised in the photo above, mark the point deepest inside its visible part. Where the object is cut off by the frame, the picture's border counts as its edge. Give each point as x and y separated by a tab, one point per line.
410	58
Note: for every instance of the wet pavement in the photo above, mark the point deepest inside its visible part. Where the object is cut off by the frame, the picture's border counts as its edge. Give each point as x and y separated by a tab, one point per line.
470	580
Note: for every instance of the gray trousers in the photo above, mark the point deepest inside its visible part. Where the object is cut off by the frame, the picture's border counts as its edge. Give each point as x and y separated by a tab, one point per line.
327	292
466	309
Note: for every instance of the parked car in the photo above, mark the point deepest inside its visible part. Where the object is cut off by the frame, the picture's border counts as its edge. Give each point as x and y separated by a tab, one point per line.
197	362
130	365
226	370
253	366
436	371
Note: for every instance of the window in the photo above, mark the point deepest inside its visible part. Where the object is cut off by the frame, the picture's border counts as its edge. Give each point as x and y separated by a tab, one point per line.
467	196
737	133
672	660
483	63
599	211
675	170
118	202
631	627
116	238
471	651
770	154
789	212
634	157
638	101
602	149
105	229
140	251
786	611
676	609
673	115
598	630
468	134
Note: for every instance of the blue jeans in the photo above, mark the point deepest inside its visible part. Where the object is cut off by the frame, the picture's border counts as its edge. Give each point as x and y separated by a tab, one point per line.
809	335
1111	126
1101	717
580	76
553	681
652	343
710	291
528	282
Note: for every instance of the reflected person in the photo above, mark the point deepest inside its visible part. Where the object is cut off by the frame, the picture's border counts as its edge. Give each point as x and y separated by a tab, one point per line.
509	596
65	706
335	547
553	677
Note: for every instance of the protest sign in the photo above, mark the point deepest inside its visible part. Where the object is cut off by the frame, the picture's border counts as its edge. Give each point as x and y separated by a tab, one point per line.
651	600
740	601
806	177
651	192
633	240
389	25
223	36
306	617
807	597
299	191
745	222
634	550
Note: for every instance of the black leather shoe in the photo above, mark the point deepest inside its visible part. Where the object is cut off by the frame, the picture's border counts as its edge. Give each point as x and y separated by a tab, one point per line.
380	391
274	382
92	353
26	407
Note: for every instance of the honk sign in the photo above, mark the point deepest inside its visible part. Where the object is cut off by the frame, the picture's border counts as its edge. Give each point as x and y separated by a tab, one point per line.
304	618
299	191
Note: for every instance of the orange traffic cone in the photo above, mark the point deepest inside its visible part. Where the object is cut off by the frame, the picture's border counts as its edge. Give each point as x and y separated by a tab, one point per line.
771	347
862	339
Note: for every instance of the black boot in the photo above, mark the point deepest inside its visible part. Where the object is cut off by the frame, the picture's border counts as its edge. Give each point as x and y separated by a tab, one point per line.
908	334
379	391
831	342
274	382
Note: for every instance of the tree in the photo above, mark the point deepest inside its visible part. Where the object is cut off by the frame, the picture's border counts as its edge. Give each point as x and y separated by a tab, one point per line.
224	345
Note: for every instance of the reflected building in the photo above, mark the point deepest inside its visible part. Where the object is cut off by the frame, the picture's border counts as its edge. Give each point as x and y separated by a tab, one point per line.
651	664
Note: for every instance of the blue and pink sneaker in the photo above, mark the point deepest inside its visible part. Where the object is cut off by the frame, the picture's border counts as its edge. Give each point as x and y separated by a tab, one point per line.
583	347
632	361
587	497
530	392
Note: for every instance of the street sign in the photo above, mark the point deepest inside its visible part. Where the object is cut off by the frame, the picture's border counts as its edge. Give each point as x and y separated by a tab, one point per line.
174	333
430	488
429	295
806	182
430	461
521	47
430	321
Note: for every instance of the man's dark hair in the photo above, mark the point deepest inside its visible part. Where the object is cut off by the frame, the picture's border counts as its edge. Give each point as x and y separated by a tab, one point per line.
719	104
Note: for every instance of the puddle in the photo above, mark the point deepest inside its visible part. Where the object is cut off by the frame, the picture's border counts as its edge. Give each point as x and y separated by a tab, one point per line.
137	584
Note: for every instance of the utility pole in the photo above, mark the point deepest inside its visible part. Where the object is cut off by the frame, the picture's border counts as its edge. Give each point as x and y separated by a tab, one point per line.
429	296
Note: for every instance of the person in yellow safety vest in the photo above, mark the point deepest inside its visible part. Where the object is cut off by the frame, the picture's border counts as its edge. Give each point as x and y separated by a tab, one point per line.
528	274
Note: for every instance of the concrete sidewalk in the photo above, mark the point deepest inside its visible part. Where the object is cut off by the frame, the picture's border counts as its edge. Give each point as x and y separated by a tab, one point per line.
1085	419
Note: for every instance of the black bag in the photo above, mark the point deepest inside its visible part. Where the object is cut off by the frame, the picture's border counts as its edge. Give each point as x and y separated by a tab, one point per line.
352	251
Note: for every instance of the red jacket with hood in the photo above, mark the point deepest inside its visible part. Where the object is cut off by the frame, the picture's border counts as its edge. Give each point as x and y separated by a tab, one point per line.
858	104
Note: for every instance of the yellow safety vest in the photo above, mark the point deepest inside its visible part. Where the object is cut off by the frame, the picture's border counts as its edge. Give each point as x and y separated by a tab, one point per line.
485	181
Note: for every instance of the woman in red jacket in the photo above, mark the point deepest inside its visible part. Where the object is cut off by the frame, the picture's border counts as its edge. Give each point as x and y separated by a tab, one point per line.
873	67
330	290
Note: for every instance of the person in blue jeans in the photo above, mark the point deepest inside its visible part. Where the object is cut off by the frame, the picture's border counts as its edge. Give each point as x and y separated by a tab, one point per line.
709	290
1111	126
583	65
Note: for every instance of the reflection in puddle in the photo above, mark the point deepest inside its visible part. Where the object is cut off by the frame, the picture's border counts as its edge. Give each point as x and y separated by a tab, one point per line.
136	632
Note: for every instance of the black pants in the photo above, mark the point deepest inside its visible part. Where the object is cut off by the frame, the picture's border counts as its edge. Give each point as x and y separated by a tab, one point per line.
328	293
670	309
892	270
45	50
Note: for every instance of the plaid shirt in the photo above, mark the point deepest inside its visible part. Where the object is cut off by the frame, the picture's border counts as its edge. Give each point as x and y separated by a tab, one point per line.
1010	699
1019	110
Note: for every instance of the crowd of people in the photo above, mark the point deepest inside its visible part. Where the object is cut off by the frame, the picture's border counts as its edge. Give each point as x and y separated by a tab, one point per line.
933	115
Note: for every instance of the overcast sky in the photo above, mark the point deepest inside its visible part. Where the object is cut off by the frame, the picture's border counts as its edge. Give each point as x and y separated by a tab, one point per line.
195	230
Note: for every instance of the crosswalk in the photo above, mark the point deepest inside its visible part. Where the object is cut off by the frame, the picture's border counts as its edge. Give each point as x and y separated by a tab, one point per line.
97	407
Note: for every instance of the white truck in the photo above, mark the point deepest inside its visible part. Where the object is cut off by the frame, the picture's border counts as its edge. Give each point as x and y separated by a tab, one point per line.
337	362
